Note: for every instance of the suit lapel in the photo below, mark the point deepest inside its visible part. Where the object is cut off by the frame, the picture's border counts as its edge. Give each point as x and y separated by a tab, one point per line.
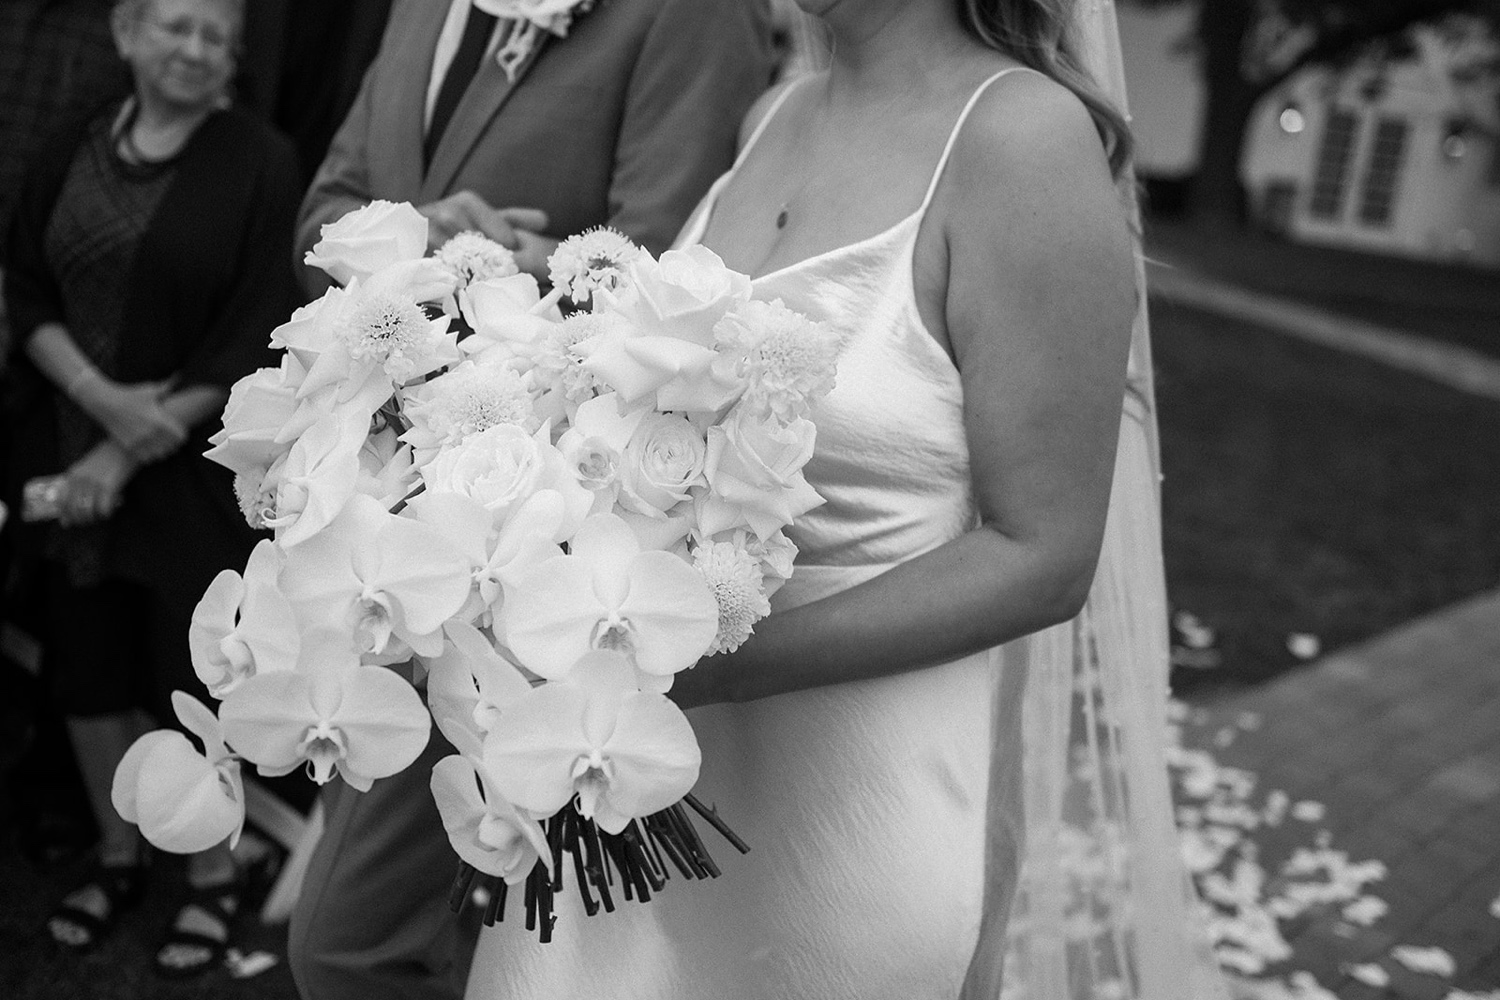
481	102
406	113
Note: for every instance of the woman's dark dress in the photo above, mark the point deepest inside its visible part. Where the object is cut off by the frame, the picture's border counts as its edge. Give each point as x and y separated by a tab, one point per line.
173	271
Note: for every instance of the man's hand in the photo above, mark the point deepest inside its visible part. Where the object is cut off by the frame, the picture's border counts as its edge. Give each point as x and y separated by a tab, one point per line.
94	485
532	250
133	416
466	211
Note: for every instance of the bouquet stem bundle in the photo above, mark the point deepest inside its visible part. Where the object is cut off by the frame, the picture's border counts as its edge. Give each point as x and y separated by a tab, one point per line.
637	856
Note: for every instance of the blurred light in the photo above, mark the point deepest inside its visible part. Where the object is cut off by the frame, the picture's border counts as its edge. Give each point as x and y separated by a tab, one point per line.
1291	120
1463	241
1456	140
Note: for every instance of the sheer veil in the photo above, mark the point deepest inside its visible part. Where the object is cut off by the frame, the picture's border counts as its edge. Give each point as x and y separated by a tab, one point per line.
1102	907
1087	897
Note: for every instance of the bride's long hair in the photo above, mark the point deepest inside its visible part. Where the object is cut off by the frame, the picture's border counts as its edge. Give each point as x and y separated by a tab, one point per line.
1040	34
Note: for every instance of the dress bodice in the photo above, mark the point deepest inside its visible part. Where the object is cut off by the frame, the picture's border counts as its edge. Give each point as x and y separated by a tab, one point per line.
892	460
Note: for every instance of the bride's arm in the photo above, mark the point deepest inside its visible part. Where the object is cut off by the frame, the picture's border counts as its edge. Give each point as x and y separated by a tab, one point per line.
1035	288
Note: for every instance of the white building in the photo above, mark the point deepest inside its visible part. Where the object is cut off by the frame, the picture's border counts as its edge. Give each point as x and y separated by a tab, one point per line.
1392	155
1396	155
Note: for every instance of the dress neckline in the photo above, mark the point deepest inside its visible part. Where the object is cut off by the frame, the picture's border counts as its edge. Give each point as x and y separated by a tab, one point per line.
711	201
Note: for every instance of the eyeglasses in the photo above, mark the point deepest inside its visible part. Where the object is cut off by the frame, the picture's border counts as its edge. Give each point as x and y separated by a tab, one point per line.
181	31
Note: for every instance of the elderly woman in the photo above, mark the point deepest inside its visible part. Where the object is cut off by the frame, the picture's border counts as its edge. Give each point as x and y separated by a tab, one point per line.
148	263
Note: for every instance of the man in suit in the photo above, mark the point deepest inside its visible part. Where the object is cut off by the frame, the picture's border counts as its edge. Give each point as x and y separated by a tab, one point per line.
625	122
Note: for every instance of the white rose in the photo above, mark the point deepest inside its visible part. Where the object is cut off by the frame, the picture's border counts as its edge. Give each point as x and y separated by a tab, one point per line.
551	15
754	473
664	459
682	295
260	406
499	310
368	239
500	468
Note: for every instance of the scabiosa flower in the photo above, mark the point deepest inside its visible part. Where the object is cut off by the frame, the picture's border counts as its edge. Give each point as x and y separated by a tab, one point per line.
734	576
593	259
257	500
559	362
786	359
394	333
472	256
468	400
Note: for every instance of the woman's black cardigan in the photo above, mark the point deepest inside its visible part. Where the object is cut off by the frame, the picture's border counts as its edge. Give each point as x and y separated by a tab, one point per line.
211	279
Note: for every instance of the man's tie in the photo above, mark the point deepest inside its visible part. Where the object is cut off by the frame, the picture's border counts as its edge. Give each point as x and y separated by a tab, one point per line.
477	31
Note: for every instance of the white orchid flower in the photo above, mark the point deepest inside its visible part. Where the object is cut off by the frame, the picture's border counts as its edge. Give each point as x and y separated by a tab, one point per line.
468	686
486	831
372	577
624	753
183	801
609	594
333	714
243	625
525	538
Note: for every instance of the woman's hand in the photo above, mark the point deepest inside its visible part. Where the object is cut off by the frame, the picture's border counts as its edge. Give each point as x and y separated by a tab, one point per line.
133	416
94	485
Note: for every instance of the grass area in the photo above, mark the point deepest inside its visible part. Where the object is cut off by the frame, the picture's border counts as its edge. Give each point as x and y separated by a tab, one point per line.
1450	302
1310	491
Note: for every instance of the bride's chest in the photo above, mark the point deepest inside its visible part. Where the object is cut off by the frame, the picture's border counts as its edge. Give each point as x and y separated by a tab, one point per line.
799	196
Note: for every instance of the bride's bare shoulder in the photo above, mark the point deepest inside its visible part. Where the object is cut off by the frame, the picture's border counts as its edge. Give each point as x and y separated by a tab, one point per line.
1029	126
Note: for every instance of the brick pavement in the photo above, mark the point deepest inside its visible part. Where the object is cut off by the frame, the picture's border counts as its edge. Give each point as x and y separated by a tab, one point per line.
1399	740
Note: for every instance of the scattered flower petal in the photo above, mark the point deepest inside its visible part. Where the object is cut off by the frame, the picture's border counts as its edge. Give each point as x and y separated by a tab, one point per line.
1431	961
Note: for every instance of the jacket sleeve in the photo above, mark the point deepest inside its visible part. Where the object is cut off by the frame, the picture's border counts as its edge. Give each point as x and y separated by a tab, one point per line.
342	182
263	293
703	63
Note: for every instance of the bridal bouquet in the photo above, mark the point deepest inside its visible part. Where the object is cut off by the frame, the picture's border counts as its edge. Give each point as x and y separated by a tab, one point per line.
548	518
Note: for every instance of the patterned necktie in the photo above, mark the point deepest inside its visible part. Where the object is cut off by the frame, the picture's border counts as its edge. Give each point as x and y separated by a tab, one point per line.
477	31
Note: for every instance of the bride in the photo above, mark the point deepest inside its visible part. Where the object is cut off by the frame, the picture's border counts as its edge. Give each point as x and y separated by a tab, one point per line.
945	745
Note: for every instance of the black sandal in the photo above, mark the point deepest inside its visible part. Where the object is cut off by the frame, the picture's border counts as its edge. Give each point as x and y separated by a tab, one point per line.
122	887
223	904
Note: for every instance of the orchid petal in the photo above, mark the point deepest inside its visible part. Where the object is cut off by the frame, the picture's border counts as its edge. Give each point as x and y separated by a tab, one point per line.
549	618
215	661
266	717
673	615
122	793
475	825
183	803
463	521
531	755
199	720
655	755
385	722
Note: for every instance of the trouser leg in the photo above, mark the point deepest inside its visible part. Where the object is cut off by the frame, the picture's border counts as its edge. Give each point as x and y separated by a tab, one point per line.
373	919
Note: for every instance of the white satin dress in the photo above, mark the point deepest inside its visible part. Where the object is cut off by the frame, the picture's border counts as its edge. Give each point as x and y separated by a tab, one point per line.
884	816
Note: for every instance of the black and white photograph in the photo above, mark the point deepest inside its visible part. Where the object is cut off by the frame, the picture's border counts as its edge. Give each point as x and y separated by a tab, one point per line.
750	499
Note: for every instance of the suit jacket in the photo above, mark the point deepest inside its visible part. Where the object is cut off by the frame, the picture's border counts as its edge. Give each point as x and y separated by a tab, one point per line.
624	122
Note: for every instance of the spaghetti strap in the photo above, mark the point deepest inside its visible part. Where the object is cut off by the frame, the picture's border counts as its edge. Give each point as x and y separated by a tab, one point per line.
766	119
963	116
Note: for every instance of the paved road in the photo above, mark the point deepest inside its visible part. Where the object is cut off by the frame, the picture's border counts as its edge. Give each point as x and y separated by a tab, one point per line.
1398	740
